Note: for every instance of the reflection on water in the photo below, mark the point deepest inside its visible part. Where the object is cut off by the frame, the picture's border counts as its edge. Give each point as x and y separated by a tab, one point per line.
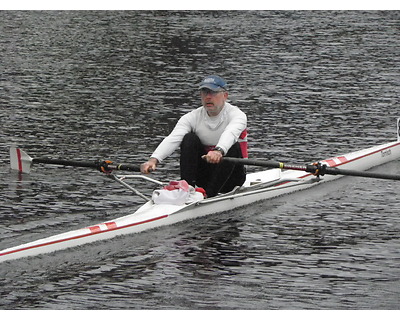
110	85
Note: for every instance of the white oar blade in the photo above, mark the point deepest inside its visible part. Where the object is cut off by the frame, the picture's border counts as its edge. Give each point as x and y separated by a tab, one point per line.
20	160
398	129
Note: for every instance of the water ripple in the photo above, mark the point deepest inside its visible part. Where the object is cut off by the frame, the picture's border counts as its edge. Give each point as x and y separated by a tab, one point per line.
110	85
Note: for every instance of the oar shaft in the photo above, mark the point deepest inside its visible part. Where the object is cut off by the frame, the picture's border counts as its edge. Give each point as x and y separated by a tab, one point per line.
87	164
61	162
313	169
366	174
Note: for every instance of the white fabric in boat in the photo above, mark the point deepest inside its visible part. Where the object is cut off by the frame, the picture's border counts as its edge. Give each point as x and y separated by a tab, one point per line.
177	193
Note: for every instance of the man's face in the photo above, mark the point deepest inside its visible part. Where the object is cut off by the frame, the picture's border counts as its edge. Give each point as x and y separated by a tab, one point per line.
213	101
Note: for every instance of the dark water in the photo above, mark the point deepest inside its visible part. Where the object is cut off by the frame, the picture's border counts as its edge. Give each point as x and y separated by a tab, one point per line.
110	85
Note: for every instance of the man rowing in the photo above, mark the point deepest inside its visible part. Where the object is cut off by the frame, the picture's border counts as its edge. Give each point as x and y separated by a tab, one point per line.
204	136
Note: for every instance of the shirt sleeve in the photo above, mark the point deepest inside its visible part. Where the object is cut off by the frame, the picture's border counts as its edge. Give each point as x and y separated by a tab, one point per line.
174	139
237	124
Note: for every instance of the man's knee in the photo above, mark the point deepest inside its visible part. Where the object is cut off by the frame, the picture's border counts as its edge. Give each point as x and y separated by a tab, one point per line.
190	140
235	151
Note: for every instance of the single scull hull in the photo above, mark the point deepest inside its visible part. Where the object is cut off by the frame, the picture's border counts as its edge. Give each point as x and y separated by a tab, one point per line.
258	186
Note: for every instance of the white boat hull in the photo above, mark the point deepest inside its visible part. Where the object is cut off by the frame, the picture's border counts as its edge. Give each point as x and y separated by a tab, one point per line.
151	216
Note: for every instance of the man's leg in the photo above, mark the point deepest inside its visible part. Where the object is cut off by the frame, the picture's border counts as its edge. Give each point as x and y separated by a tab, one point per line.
190	161
226	175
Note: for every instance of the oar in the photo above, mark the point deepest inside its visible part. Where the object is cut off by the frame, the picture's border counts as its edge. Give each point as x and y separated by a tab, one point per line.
317	169
22	162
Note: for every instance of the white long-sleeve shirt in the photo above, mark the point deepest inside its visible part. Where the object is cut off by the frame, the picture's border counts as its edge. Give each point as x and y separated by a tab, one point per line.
222	130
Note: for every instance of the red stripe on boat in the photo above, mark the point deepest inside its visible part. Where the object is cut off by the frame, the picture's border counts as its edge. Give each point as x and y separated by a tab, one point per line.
94	229
330	162
111	225
81	236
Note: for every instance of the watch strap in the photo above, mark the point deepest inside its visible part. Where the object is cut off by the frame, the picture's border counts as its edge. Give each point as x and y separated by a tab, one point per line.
219	149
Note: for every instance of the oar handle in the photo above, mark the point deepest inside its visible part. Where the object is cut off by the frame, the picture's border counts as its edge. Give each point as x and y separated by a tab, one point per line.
124	167
266	163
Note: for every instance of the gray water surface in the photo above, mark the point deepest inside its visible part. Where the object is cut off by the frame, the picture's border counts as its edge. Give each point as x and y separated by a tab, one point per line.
111	84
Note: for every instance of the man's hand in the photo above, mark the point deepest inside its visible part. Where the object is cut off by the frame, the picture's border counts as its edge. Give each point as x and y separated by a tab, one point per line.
213	156
149	166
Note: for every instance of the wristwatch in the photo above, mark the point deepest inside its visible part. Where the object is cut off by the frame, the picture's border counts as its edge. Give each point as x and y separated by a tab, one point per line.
219	149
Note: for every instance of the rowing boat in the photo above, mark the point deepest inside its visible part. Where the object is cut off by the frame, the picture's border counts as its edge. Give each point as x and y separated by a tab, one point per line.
261	185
